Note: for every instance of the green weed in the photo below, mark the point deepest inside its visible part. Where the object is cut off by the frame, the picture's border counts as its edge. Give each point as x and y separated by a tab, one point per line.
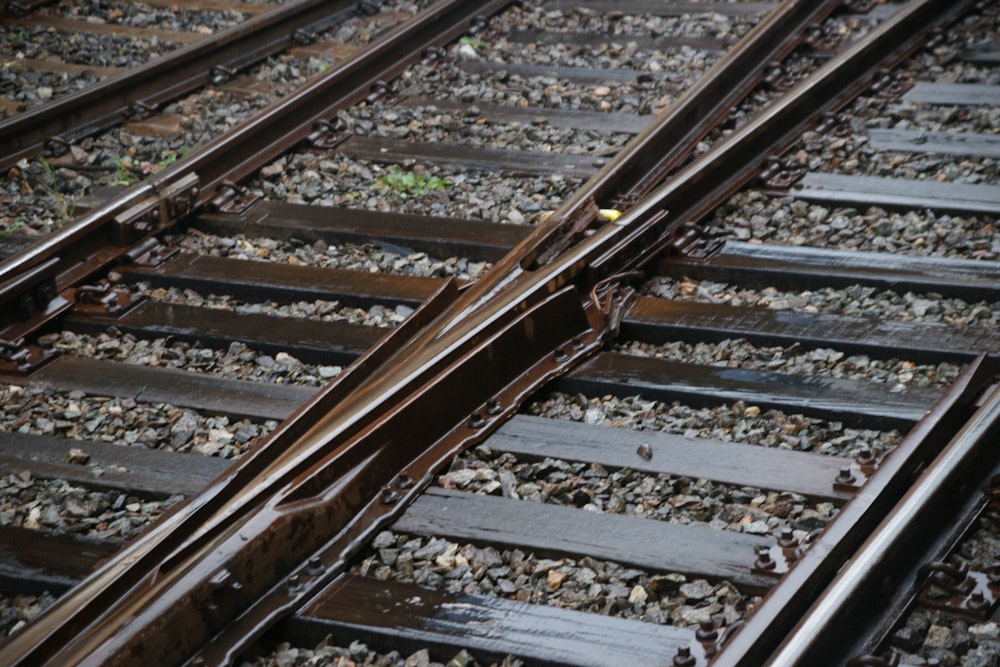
474	42
54	187
409	183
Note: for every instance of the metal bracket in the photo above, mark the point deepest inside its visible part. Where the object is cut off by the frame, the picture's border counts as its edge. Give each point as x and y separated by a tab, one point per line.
302	37
888	659
774	561
571	231
937	38
16	9
779	79
103	299
835	125
221	74
150	253
35	298
890	85
959	590
381	91
55	145
17	358
689	241
479	25
157	212
232	198
858	6
433	55
623	202
328	134
988	7
820	39
368	8
853	477
780	173
140	110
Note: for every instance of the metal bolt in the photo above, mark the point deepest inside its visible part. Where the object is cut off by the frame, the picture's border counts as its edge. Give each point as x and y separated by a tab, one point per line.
764	560
404	481
684	657
314	566
845	476
706	632
560	356
479	24
787	539
493	407
476	420
294	584
389	496
977	601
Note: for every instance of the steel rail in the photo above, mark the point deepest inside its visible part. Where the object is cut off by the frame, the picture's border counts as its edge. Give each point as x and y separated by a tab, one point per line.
790	598
834	628
665	144
697	188
140	90
80	247
226	540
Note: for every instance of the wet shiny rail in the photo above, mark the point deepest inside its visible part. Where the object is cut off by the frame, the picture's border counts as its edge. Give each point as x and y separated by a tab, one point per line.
347	465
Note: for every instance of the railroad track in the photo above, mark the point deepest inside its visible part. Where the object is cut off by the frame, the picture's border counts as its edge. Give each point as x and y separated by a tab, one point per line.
420	400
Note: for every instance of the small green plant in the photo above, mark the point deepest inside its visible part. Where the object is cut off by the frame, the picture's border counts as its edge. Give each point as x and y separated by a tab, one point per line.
474	42
14	226
407	183
129	171
19	36
124	171
54	186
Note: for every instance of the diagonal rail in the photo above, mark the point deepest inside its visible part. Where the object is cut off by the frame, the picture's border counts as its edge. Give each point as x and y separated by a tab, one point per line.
67	119
836	625
82	247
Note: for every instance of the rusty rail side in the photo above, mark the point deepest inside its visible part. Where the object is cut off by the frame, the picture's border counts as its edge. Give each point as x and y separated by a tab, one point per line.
140	90
839	624
791	597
